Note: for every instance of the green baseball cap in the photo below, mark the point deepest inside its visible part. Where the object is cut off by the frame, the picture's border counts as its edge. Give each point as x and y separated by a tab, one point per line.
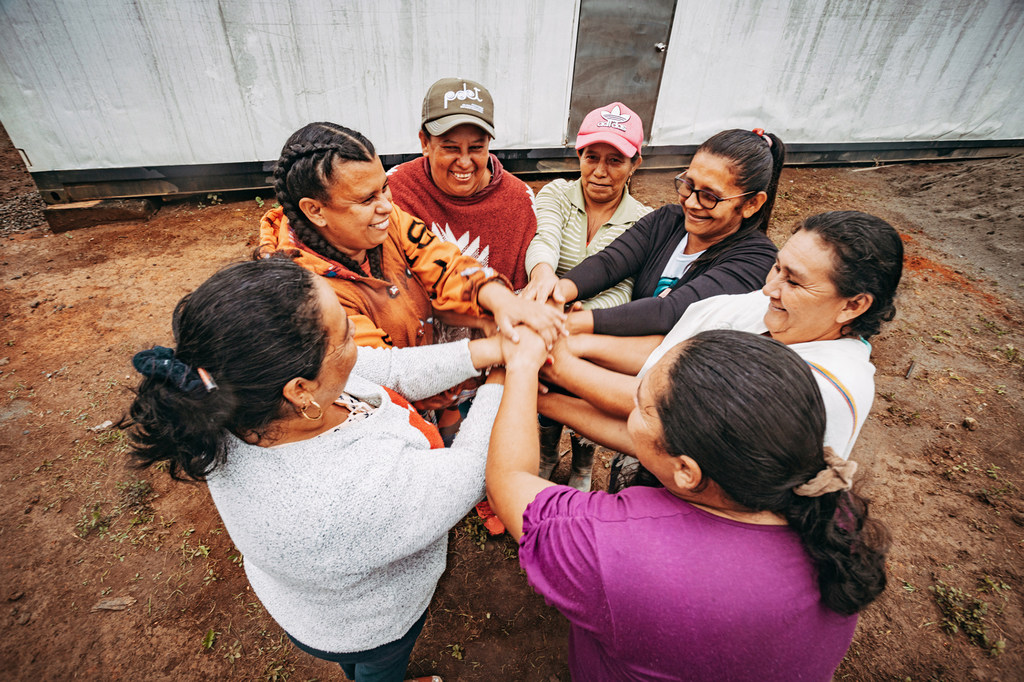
454	101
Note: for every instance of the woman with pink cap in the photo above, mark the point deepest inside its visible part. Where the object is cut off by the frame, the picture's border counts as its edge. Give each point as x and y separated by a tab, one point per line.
577	219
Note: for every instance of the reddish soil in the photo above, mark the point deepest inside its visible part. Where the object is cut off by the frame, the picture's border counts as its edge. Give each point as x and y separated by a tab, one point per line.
80	526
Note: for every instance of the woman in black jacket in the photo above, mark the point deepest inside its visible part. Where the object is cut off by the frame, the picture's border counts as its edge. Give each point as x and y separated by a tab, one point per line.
713	242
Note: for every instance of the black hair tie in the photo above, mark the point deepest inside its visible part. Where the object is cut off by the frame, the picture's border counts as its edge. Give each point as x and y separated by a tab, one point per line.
159	363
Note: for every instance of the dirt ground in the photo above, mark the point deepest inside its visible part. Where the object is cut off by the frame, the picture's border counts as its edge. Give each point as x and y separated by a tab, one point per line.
113	573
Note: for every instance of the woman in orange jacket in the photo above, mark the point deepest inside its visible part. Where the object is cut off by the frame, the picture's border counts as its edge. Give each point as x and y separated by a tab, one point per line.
391	274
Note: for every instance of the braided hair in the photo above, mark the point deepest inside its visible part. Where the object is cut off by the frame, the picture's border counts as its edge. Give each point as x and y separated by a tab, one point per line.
305	168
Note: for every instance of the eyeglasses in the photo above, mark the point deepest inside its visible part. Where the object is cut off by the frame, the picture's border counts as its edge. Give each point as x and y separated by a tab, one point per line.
705	198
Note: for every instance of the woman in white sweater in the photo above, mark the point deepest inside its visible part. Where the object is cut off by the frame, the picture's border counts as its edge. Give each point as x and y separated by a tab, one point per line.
307	482
832	287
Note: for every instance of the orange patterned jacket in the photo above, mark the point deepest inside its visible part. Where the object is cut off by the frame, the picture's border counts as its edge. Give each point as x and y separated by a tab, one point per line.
423	274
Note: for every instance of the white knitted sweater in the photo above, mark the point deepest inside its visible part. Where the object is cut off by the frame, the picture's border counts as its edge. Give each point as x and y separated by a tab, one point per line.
344	535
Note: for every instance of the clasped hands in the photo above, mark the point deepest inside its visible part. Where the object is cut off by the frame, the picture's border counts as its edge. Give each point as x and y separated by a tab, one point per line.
546	287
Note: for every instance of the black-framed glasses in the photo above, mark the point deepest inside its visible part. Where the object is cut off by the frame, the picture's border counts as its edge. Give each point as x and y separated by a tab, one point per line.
684	186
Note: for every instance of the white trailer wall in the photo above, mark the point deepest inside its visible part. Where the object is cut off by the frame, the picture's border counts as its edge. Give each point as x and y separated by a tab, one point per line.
121	84
844	70
115	83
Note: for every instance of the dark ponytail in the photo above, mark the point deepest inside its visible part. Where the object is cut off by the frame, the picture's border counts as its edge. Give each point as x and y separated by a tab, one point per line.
847	547
305	168
252	327
757	166
763	442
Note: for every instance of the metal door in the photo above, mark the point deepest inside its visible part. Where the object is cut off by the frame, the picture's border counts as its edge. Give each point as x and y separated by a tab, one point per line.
620	53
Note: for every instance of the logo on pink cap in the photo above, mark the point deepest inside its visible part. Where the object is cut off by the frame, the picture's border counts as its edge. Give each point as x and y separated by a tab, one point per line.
614	119
614	124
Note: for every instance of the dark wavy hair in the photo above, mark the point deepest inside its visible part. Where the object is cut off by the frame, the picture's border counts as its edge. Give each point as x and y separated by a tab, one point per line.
867	259
748	411
253	326
305	169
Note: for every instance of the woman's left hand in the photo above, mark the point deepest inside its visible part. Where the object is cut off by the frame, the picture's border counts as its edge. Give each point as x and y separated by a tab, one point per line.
545	320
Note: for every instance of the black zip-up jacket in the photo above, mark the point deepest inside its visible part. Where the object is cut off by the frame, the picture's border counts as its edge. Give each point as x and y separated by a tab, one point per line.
642	252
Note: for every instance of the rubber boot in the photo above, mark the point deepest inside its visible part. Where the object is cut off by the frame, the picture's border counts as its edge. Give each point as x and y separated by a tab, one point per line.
550	437
582	463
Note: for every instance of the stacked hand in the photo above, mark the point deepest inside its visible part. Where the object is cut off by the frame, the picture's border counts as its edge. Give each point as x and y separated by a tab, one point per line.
527	354
546	287
543	286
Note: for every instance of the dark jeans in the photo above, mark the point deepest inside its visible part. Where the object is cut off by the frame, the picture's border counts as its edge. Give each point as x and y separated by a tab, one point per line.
386	663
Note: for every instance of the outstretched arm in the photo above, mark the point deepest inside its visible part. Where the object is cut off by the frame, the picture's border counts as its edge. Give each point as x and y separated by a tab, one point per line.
510	310
514	454
587	420
608	391
739	270
626	354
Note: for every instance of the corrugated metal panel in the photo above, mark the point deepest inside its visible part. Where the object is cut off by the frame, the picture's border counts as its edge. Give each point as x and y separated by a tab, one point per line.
844	71
620	55
112	83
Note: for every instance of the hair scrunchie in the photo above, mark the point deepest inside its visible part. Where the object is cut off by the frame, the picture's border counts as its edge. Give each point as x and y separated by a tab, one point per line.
159	363
760	133
837	475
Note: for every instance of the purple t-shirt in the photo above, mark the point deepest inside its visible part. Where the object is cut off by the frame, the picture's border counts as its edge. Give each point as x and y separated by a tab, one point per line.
657	589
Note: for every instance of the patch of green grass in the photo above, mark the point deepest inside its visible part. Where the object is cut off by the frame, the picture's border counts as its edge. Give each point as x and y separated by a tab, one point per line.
135	498
208	639
278	671
991	326
963	611
234	652
93	519
989	584
116	438
1011	353
473	527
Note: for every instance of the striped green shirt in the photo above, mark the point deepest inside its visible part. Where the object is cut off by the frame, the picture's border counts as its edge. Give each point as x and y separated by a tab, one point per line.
561	239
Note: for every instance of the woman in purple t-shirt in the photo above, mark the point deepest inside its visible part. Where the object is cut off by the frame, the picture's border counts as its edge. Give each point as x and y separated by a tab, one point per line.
750	562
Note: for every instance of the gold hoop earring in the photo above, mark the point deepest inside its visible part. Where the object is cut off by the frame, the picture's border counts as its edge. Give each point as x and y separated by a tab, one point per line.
317	418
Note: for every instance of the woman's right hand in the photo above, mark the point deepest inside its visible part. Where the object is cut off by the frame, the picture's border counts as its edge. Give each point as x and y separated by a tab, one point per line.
543	285
528	354
565	291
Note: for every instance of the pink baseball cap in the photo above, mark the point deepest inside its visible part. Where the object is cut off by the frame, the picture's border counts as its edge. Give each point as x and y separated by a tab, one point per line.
615	124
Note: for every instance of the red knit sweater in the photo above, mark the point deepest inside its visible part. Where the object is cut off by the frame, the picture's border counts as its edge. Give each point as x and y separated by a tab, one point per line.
495	225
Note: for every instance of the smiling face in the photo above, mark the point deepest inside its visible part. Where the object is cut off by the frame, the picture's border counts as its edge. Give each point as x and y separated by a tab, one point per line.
604	171
707	227
644	425
804	304
356	215
458	159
